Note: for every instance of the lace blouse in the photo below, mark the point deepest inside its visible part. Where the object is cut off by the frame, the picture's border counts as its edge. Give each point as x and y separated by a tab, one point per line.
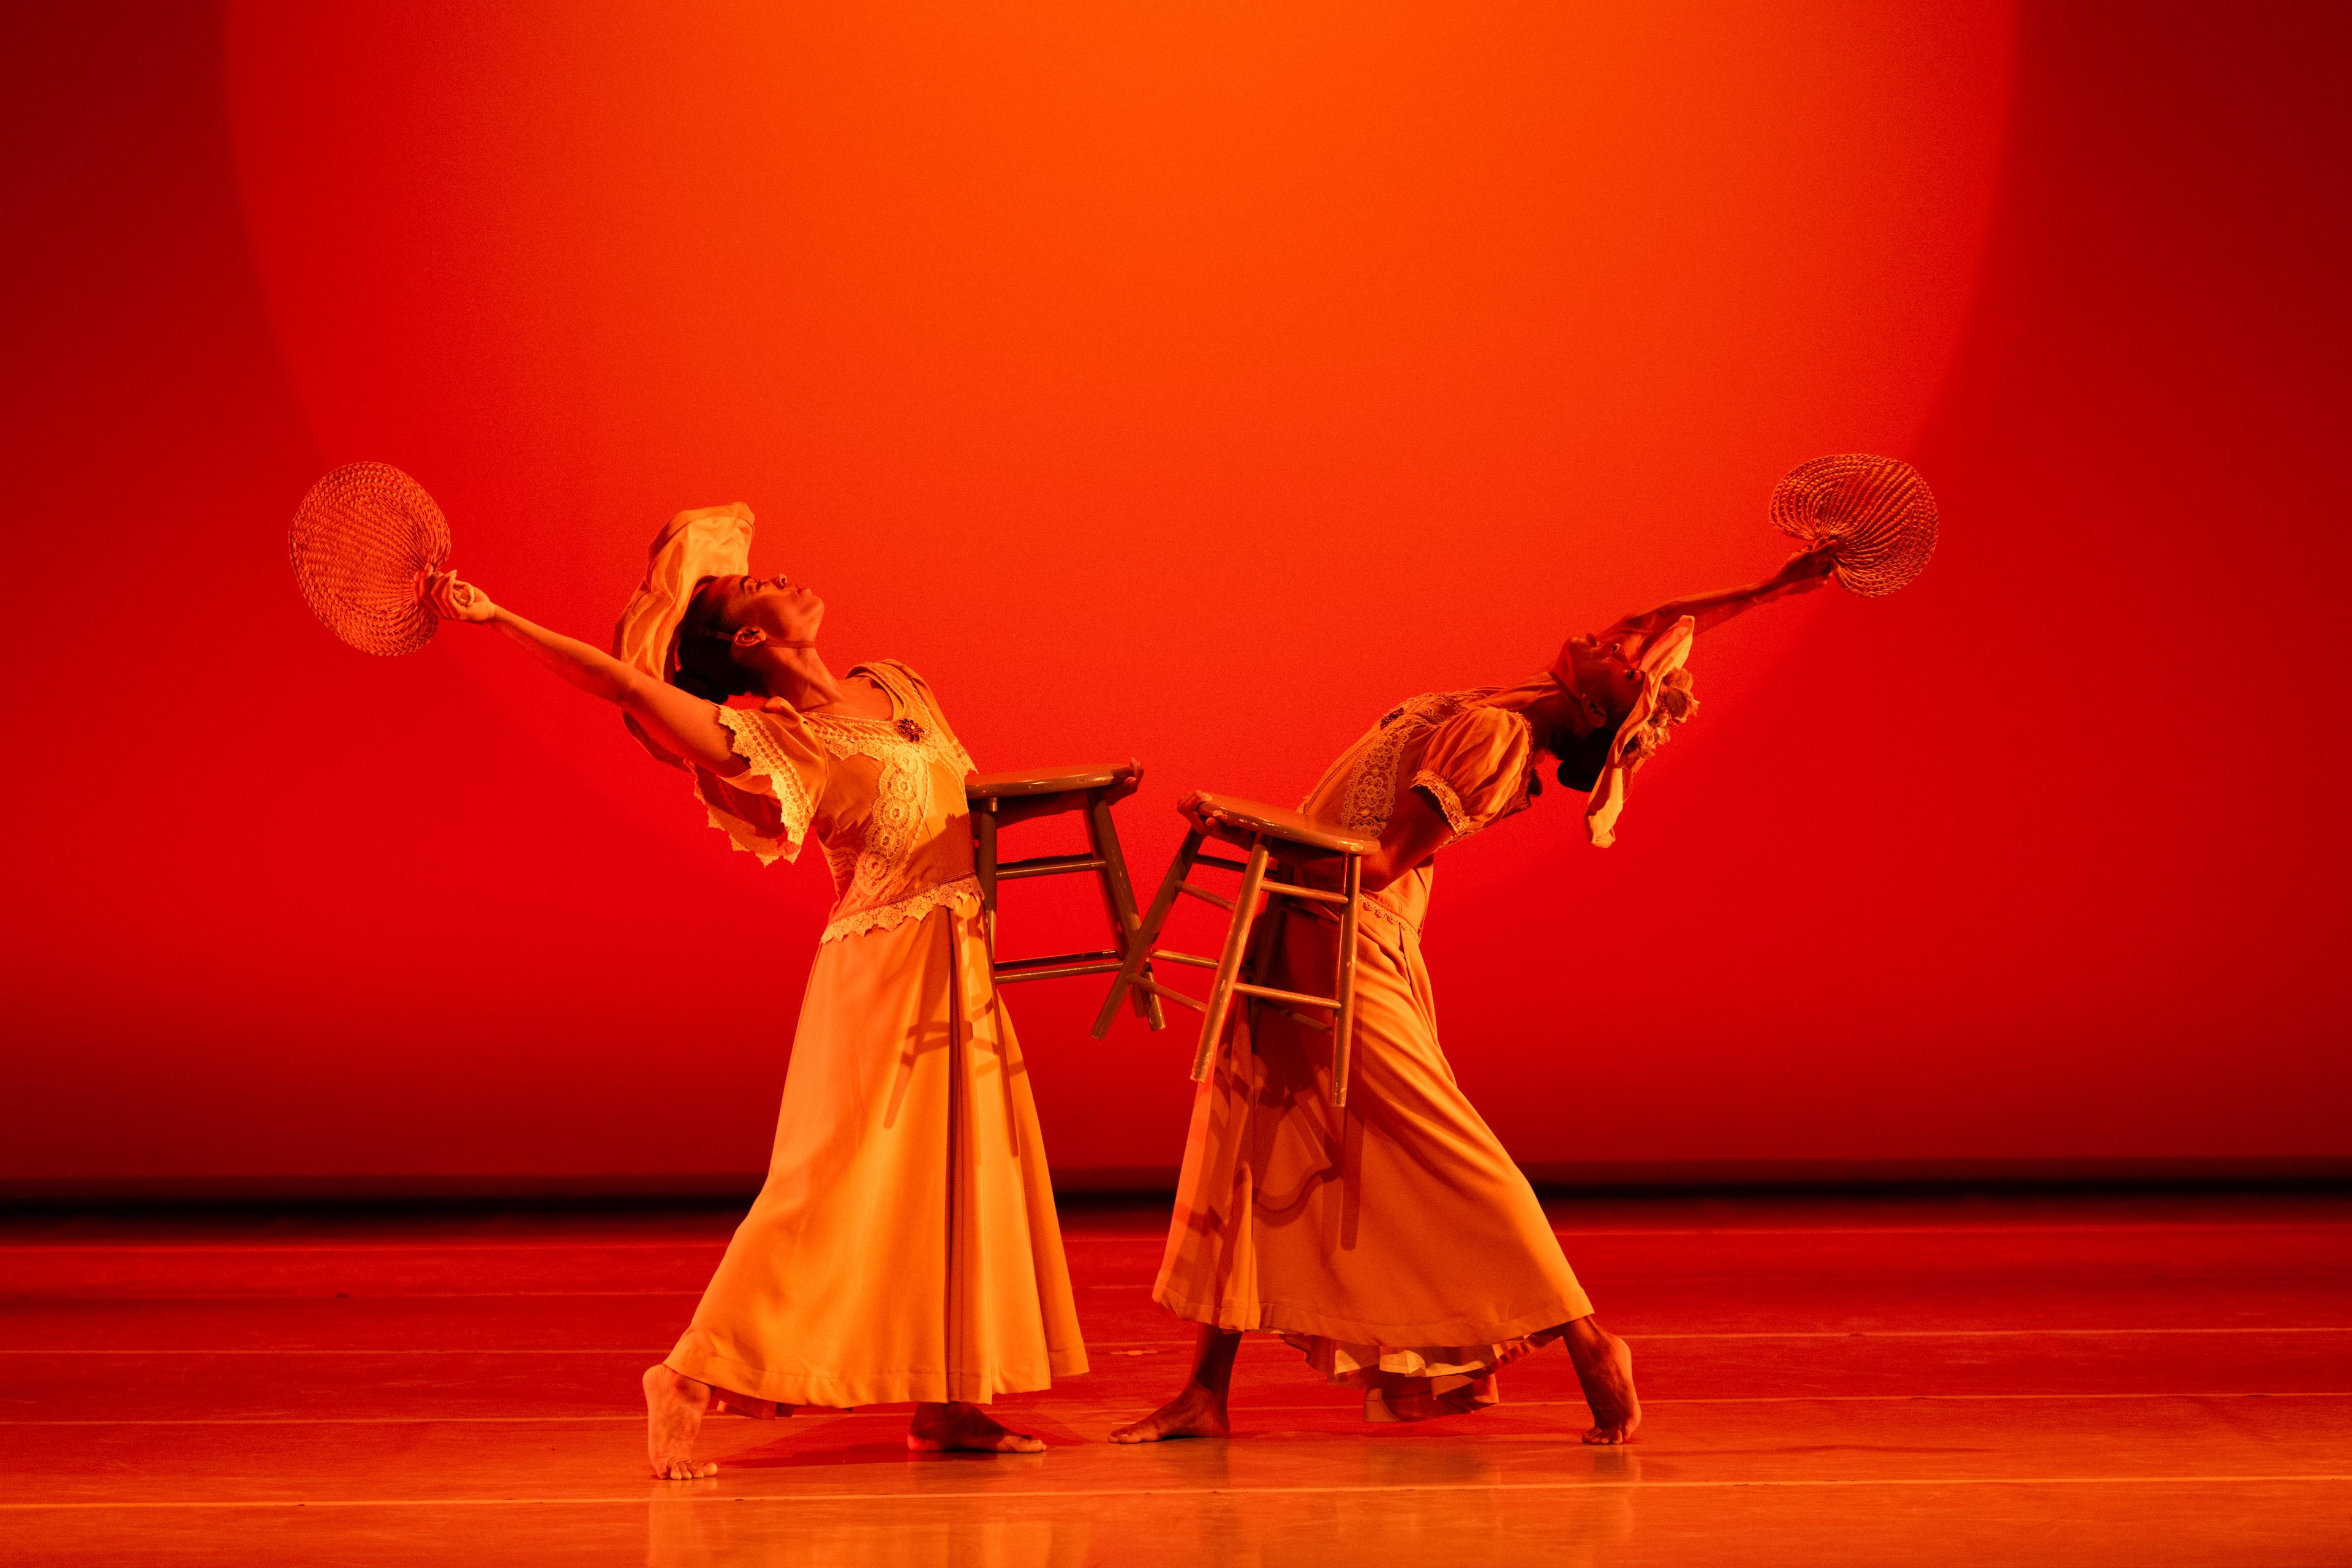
1473	761
885	796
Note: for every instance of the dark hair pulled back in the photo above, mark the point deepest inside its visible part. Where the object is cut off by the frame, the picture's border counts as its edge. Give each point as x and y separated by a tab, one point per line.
705	650
1581	760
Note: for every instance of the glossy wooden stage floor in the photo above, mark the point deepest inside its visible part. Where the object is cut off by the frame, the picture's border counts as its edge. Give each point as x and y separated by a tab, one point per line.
2026	1381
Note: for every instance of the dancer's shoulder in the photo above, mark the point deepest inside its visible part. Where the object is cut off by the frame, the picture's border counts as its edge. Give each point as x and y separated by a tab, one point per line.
911	689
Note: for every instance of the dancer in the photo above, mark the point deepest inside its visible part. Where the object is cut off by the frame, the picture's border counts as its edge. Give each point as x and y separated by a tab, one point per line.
904	1247
1396	1244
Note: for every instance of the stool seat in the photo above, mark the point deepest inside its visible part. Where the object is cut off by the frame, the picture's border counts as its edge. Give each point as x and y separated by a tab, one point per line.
1087	792
1274	838
1237	821
1044	781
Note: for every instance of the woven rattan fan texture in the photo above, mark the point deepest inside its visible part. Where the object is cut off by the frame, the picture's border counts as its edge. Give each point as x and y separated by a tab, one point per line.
1877	513
363	541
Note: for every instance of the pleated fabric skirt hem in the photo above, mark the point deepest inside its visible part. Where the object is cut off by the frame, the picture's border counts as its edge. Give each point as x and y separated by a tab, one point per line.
848	1391
1284	1318
1407	1373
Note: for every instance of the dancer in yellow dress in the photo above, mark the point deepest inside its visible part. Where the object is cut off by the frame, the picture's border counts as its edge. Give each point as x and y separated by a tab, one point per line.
1397	1245
904	1247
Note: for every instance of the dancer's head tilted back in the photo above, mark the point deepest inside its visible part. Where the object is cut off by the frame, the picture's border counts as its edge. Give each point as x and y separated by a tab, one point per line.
701	622
1599	684
1605	706
736	628
1662	698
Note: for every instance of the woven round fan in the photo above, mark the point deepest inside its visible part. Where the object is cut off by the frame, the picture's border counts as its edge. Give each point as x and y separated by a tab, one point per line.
1876	515
365	541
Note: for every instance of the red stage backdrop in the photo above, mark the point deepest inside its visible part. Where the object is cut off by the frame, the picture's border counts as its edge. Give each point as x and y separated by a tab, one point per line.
1194	383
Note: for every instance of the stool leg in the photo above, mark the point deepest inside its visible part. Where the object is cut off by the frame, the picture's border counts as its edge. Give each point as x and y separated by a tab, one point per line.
1147	936
1263	939
1220	995
984	854
1119	899
1343	1027
1258	963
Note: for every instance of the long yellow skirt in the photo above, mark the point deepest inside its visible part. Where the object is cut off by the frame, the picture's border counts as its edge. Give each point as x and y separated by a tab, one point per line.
1397	1245
904	1247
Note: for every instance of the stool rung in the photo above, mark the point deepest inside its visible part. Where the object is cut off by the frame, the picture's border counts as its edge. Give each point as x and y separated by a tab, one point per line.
1162	955
1047	865
1057	966
1205	895
1171	993
1293	891
1295	1016
1273	994
1219	861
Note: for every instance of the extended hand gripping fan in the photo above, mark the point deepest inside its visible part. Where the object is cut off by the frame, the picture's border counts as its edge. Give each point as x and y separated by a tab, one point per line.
366	542
1876	514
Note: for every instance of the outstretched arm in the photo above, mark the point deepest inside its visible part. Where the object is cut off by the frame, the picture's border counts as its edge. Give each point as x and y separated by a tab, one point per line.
680	722
1801	574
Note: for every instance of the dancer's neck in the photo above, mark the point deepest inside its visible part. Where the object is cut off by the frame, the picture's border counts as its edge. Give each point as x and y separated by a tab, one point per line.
801	678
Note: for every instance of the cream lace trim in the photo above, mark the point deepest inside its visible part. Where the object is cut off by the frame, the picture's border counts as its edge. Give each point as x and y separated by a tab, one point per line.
753	743
902	799
1447	801
858	923
1371	783
1457	815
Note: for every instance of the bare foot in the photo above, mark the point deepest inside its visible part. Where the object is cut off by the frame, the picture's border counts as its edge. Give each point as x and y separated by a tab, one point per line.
1195	1413
957	1427
1605	1367
673	1411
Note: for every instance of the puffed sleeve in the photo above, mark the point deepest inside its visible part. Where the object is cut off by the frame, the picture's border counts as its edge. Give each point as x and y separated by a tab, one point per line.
1478	768
766	809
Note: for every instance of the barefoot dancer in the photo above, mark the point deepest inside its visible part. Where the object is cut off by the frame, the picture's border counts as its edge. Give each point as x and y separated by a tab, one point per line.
1397	1245
904	1247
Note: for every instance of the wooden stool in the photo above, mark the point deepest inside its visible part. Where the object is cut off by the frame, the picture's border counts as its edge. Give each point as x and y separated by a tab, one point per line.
1258	829
985	792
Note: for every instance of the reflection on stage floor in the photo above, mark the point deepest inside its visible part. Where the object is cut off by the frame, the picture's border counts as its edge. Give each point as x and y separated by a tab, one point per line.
2081	1380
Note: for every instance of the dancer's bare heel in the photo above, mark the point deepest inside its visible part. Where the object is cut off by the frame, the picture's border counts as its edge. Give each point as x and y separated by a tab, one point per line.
1604	1366
675	1406
957	1427
1197	1412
